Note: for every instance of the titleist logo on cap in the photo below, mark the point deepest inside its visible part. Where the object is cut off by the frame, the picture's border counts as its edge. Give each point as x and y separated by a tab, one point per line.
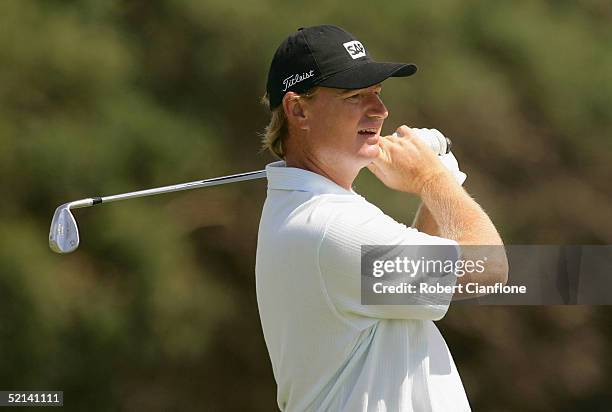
296	78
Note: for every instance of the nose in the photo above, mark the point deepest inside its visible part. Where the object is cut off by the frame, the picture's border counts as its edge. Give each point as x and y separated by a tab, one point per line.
377	108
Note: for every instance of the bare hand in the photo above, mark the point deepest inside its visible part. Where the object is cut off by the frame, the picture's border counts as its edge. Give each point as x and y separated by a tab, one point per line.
406	163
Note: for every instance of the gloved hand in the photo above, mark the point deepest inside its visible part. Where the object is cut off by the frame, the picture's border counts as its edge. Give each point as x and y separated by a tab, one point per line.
448	160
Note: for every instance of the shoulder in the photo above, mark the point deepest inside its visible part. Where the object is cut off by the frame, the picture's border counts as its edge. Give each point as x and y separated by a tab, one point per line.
344	203
353	219
343	210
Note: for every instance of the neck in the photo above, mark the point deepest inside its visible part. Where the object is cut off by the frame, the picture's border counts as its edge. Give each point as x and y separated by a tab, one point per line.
343	178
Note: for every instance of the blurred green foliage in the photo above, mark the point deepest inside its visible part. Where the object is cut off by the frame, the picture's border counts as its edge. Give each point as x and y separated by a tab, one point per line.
157	308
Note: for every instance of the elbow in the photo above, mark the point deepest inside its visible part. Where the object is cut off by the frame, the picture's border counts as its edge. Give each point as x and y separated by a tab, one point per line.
502	266
492	262
497	270
501	274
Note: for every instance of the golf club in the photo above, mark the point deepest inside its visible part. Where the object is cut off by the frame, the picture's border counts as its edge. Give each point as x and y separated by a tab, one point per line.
64	232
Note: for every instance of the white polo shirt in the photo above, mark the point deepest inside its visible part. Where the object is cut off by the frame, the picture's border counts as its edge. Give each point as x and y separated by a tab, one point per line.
328	351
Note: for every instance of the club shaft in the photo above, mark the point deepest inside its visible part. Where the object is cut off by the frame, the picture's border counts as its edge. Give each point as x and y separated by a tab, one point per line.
259	174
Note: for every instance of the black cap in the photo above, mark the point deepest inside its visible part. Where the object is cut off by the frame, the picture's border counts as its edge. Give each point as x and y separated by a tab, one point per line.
326	56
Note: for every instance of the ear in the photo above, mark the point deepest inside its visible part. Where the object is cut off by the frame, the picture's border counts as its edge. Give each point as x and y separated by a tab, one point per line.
294	110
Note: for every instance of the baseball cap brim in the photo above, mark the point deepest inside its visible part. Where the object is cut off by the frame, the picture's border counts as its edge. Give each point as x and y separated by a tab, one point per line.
367	74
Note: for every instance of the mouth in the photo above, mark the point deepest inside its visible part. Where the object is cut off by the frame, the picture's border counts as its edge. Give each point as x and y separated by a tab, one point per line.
372	131
371	134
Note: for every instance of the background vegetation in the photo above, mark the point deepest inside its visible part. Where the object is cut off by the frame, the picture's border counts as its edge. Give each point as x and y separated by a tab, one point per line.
156	310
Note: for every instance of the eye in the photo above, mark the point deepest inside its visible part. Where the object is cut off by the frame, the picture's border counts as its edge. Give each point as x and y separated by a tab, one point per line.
353	97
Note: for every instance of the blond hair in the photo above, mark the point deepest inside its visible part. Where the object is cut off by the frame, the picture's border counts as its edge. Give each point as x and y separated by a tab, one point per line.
276	131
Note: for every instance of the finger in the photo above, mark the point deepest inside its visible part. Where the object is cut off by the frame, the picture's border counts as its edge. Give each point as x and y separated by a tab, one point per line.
413	133
415	140
376	171
385	150
388	139
383	154
381	158
402	131
373	168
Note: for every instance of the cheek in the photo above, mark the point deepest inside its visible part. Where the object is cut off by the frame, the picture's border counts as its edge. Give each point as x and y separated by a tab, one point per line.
335	127
335	133
345	126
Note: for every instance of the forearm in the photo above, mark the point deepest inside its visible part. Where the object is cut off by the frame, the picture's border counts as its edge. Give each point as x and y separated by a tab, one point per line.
458	217
425	222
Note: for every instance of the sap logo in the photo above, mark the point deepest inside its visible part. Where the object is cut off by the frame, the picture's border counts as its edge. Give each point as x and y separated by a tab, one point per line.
355	49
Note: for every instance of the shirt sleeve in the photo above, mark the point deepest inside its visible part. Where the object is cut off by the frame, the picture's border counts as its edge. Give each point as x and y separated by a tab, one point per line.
351	225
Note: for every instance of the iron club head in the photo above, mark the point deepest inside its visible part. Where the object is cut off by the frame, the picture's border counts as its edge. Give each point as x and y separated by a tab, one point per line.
64	233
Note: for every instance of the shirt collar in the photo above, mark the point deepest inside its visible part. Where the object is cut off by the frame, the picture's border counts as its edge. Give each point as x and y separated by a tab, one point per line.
281	177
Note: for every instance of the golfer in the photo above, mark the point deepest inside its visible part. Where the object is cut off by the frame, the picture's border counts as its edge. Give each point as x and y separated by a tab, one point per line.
328	351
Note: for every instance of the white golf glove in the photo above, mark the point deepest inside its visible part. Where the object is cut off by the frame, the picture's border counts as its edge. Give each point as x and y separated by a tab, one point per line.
448	160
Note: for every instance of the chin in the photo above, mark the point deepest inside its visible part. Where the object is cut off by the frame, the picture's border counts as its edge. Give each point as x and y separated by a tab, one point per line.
368	147
369	152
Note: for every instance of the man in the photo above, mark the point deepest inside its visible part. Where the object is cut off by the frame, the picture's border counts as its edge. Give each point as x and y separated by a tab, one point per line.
328	351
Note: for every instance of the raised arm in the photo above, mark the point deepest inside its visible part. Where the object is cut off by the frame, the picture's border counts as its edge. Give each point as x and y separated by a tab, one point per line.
406	164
